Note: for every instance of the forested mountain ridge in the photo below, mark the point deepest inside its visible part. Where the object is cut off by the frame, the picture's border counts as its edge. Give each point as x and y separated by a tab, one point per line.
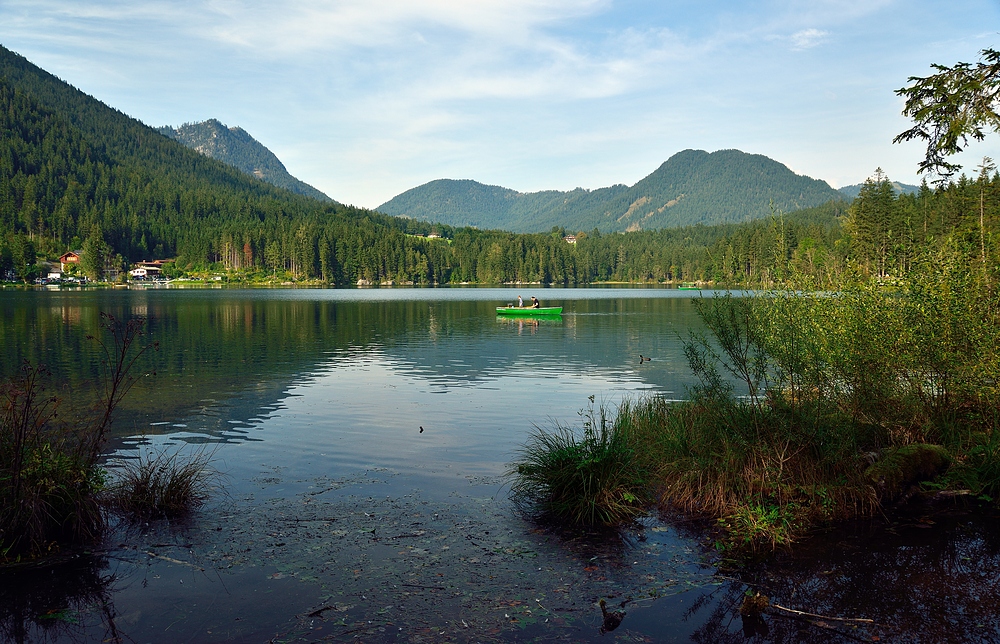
76	174
691	187
234	146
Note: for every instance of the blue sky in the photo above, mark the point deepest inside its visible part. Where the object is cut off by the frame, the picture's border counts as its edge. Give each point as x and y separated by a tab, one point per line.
367	98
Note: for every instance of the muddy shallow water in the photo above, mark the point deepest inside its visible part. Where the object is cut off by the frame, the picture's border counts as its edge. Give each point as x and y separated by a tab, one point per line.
362	437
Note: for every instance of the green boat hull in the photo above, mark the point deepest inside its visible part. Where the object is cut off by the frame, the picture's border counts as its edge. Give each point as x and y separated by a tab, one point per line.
544	311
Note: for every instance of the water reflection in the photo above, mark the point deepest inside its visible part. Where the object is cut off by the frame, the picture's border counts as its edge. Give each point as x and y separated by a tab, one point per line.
57	601
226	354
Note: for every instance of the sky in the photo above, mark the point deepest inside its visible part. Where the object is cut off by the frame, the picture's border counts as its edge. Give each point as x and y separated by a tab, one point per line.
365	99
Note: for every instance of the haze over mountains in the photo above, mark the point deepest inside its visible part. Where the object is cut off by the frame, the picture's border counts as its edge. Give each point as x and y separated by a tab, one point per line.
234	146
691	187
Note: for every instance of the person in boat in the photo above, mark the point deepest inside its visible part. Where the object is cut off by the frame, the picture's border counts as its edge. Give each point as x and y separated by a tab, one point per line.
535	304
520	302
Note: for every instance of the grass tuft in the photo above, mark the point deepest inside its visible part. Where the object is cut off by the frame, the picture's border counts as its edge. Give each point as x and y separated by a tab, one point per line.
591	479
161	485
51	481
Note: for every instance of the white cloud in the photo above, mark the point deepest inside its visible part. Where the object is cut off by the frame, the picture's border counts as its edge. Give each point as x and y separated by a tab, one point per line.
297	27
808	38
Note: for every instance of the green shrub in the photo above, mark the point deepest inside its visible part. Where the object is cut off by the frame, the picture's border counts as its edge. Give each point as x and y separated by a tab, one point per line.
903	466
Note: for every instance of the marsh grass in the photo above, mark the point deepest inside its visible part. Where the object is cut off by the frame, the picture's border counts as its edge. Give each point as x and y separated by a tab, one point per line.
160	485
760	472
48	486
588	478
51	481
810	408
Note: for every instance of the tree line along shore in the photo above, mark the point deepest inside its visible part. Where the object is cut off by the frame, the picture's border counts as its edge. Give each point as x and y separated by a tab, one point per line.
829	246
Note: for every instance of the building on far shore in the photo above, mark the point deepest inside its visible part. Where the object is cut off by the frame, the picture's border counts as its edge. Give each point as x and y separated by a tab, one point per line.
72	257
145	272
150	270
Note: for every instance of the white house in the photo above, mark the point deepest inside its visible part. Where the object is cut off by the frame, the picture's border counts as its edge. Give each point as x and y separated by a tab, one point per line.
145	272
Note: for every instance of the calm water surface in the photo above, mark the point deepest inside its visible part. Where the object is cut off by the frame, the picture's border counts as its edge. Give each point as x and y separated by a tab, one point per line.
341	380
340	519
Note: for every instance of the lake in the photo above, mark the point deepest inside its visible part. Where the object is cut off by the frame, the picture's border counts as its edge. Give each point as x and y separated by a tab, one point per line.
362	437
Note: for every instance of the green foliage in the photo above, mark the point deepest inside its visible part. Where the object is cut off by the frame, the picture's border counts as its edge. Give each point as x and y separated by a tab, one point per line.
593	479
865	392
22	257
902	466
95	256
754	525
736	330
877	227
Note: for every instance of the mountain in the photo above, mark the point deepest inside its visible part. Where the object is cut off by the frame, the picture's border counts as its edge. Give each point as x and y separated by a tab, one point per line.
854	190
234	146
78	174
691	187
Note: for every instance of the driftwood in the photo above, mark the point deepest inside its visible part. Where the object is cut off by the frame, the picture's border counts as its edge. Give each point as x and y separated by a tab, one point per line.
860	620
175	561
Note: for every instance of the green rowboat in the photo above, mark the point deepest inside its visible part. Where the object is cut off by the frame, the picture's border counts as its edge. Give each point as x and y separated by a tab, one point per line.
527	311
688	286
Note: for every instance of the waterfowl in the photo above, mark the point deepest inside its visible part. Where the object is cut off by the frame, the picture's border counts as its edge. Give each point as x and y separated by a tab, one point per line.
612	619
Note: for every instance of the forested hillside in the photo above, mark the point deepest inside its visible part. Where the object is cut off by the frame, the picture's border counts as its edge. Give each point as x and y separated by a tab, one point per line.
76	174
235	147
691	187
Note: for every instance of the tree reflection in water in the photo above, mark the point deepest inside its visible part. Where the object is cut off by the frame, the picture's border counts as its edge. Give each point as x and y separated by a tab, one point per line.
64	601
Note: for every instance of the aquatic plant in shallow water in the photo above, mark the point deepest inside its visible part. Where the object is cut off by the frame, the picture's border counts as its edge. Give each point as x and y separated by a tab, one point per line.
593	478
48	486
160	485
851	399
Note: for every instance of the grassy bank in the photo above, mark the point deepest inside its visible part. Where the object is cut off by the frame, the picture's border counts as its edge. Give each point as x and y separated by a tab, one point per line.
811	408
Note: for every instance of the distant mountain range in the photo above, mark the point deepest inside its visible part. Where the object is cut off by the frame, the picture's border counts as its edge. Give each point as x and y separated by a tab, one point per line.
235	147
691	187
852	191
